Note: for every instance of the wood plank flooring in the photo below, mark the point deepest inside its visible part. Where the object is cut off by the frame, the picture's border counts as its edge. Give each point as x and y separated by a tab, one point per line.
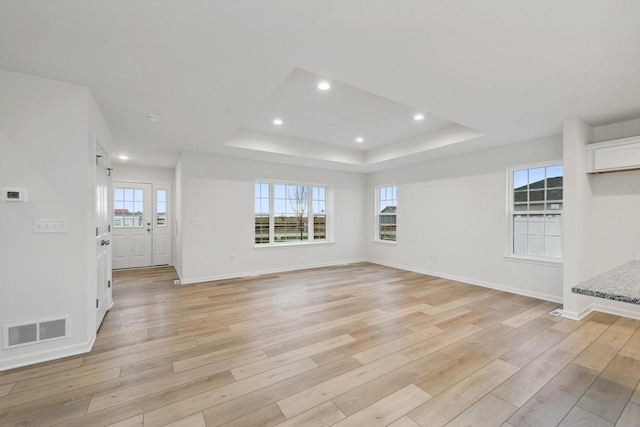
355	345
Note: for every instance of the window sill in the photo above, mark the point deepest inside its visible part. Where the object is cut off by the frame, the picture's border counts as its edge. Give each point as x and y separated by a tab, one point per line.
531	260
386	242
292	244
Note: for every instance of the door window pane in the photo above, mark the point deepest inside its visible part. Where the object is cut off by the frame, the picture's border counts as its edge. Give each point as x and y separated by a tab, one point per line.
128	207
161	208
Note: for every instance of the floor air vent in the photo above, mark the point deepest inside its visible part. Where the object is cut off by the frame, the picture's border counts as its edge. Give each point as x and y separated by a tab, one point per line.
32	333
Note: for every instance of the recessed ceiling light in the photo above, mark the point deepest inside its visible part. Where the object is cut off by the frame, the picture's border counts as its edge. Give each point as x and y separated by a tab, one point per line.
123	157
152	118
418	117
324	86
359	139
277	122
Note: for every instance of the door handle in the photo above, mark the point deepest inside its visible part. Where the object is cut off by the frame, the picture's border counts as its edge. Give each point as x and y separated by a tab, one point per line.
148	229
105	243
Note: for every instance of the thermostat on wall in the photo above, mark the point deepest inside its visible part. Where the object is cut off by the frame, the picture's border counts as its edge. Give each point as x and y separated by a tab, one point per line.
14	195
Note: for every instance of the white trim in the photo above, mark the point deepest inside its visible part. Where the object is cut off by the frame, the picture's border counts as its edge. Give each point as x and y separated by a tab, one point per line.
386	242
557	162
616	311
531	260
295	243
46	356
138	181
178	272
602	308
538	295
269	271
573	315
613	143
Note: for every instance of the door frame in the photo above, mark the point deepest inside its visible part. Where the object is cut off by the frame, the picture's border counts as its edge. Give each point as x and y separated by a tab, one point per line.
102	159
155	185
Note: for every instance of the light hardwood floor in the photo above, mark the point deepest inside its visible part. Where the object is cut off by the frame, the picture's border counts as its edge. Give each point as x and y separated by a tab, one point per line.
357	345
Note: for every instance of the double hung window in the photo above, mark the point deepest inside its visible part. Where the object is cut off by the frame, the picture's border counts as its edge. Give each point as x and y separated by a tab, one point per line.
386	213
535	211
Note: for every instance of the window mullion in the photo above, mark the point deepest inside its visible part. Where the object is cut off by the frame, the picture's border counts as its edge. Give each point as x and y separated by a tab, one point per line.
310	222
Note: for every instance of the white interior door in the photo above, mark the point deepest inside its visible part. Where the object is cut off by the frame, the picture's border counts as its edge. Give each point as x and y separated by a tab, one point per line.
132	225
103	236
162	224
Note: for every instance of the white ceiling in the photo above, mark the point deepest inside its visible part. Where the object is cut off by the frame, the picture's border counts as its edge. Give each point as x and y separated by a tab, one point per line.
338	115
501	71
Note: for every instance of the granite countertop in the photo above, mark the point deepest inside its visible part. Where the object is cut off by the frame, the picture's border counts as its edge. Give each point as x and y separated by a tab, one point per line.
620	284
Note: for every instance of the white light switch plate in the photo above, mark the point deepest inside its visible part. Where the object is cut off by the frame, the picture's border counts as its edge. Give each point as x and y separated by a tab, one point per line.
51	226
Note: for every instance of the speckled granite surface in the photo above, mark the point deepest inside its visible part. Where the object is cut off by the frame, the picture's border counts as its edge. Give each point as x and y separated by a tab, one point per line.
619	284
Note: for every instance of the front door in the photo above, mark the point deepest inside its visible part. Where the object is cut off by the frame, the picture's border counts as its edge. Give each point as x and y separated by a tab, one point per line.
132	225
103	235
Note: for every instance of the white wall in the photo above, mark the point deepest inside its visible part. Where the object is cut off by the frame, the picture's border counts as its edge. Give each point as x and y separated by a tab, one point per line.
144	174
46	145
455	209
220	191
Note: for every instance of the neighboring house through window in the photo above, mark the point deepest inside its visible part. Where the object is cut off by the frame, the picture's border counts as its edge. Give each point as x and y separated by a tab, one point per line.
289	213
386	213
535	211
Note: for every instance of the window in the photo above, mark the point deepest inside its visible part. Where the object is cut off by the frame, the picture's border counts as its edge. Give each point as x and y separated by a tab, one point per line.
386	213
535	207
289	213
319	209
128	211
161	208
262	212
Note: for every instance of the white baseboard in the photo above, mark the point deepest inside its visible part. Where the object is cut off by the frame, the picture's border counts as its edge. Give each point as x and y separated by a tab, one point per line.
178	272
615	310
484	284
268	271
46	356
602	308
577	315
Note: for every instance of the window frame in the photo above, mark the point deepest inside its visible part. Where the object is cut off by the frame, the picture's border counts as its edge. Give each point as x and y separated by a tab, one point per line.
310	241
377	213
510	212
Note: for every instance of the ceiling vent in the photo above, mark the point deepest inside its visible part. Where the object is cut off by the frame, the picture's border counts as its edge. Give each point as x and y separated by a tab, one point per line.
36	332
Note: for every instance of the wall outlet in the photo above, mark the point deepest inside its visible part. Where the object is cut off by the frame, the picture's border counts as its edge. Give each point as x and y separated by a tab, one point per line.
433	257
232	258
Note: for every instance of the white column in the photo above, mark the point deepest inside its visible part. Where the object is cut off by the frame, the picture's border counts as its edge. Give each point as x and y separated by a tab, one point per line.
576	216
